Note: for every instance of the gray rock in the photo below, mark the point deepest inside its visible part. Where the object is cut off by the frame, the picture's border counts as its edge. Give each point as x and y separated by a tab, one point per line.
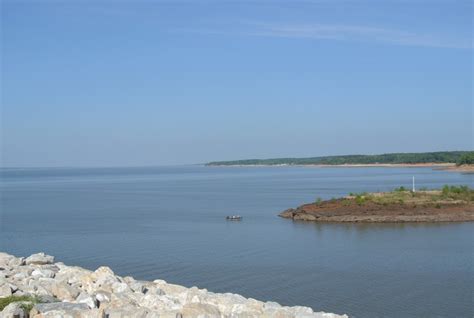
64	291
105	278
87	299
39	259
128	279
102	297
154	290
60	309
138	287
20	276
43	285
14	310
52	267
299	311
13	287
272	305
126	312
157	314
5	290
20	293
120	287
7	260
46	273
48	299
200	311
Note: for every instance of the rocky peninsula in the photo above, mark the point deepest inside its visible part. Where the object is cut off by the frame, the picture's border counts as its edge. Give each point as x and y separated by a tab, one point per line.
451	204
39	287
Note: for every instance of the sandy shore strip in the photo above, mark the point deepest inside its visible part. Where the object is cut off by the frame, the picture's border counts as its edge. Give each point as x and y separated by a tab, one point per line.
461	168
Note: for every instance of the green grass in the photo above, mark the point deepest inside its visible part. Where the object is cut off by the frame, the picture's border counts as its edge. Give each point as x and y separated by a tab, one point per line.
5	301
360	199
401	189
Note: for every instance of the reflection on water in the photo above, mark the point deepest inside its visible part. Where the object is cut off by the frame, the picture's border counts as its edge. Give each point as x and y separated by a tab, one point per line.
364	226
170	223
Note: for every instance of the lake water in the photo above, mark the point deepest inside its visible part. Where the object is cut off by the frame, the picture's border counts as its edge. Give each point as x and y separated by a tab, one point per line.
169	223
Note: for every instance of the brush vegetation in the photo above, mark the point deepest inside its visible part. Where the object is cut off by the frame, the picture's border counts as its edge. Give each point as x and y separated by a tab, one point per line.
448	194
27	301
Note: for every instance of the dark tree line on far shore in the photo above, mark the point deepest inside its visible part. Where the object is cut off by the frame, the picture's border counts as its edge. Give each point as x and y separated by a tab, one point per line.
458	157
466	159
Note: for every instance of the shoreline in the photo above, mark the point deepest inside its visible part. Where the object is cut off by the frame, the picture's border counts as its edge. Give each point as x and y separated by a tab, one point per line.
369	165
462	168
388	207
41	287
438	158
451	167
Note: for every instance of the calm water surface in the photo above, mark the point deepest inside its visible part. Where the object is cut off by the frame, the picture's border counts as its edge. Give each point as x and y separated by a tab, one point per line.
168	223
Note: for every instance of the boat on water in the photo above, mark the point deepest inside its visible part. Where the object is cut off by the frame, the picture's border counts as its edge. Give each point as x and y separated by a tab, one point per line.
233	217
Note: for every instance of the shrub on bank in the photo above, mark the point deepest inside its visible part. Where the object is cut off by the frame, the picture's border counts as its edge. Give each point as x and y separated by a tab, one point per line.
5	301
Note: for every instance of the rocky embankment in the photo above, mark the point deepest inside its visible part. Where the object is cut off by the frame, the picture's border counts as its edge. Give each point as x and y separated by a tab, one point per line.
37	287
375	213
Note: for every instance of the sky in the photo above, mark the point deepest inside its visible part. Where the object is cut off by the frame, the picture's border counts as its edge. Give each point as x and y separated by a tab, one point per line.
139	83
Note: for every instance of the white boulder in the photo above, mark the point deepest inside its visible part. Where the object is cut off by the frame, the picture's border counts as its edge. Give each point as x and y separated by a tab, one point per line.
39	259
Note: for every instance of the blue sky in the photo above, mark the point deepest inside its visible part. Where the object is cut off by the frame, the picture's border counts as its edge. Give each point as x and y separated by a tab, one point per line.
116	83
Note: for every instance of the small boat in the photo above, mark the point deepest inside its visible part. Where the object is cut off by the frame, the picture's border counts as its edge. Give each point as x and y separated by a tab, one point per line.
233	217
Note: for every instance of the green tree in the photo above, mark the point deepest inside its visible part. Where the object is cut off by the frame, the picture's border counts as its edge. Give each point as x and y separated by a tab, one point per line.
466	159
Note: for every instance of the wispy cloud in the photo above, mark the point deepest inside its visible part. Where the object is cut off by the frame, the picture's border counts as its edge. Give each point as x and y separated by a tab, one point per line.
357	33
338	32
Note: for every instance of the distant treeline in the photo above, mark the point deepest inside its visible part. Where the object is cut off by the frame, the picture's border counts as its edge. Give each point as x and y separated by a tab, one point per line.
459	157
466	159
